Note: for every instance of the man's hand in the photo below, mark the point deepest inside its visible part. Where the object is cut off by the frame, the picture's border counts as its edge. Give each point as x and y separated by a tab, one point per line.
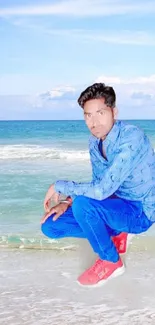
50	195
59	209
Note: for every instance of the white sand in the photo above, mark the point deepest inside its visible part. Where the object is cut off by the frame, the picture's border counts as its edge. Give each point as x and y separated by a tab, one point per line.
39	287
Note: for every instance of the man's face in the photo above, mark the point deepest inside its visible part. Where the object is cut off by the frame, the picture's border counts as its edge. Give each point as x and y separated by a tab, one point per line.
99	117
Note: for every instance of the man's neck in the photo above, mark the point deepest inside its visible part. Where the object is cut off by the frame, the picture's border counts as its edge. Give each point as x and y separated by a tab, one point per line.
103	138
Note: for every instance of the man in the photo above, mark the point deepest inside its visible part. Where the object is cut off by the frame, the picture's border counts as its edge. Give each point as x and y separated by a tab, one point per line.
120	199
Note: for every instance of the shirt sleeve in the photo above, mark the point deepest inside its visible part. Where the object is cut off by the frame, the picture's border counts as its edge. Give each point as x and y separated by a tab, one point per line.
129	154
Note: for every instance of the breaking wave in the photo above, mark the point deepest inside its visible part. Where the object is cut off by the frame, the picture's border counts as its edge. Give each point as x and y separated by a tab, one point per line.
34	152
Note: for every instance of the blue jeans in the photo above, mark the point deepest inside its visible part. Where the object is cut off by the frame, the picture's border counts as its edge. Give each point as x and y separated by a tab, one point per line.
98	221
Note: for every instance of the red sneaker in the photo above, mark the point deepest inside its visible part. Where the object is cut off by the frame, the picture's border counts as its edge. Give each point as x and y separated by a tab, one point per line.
100	272
122	242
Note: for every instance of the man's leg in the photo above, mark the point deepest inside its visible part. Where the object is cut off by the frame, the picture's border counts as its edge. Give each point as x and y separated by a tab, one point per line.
95	219
66	226
98	221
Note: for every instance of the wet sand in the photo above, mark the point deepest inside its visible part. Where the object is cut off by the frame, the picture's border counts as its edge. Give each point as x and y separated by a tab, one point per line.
39	288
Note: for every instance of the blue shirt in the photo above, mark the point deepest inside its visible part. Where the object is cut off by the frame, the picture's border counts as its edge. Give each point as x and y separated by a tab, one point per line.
128	171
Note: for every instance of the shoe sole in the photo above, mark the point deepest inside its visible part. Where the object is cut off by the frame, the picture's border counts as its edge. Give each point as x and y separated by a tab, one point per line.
116	273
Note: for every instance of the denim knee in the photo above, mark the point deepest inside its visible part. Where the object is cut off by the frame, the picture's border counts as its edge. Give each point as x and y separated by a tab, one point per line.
79	202
48	228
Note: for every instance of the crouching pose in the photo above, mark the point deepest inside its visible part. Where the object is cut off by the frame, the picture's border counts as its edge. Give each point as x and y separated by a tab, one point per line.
120	199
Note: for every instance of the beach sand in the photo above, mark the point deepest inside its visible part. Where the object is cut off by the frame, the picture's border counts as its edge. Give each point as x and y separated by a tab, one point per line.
39	287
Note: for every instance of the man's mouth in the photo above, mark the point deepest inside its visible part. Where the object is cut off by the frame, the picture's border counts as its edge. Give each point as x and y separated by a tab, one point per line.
96	130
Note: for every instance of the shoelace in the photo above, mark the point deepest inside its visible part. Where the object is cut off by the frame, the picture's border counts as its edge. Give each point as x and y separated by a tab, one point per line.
96	265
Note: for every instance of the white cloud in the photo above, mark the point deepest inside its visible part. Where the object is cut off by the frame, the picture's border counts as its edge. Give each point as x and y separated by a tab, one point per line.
27	108
135	100
59	92
140	83
144	80
126	37
83	8
135	97
109	80
142	96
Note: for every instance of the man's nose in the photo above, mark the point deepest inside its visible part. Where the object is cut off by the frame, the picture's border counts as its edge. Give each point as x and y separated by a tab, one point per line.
93	122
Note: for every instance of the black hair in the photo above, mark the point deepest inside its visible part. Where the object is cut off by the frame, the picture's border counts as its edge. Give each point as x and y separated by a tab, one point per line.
98	90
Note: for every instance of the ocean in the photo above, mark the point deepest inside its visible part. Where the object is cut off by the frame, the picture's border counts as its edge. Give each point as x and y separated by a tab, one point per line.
33	155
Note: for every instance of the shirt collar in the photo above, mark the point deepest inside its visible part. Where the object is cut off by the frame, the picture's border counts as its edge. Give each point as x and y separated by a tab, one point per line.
112	135
110	142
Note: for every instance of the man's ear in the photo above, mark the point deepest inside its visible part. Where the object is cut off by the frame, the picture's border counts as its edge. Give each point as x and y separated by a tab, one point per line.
115	110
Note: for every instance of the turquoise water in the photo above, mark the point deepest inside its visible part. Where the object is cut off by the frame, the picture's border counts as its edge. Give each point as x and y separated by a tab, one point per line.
33	155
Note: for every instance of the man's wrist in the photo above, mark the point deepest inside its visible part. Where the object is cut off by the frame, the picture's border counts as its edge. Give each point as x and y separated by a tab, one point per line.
68	200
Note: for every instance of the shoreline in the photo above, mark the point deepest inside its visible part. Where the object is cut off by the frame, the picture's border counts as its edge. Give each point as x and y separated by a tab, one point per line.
39	287
140	242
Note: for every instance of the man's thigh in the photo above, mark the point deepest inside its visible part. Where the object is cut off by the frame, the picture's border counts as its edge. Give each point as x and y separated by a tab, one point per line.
124	215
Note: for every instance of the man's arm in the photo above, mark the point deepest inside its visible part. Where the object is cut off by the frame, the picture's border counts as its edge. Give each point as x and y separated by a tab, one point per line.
131	152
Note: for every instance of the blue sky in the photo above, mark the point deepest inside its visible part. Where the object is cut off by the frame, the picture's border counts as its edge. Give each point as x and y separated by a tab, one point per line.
52	50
